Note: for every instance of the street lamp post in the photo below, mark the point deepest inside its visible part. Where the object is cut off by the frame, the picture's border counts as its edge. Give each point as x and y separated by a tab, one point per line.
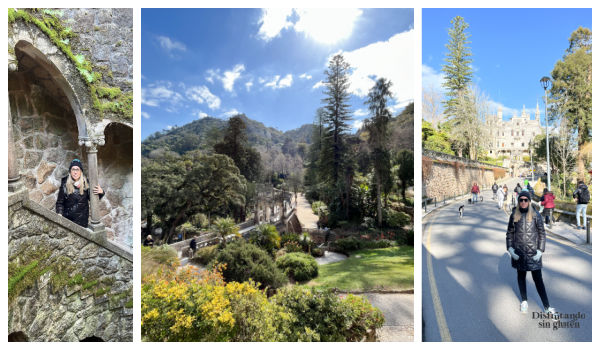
545	81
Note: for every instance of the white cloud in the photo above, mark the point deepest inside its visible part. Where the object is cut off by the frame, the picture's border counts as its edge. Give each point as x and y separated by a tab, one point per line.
146	115
249	85
170	45
200	114
391	59
432	79
318	85
231	113
201	94
229	77
272	22
305	76
361	112
169	127
160	92
211	75
322	25
279	83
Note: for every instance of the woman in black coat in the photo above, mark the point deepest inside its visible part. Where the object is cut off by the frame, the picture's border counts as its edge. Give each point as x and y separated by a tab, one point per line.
74	195
525	242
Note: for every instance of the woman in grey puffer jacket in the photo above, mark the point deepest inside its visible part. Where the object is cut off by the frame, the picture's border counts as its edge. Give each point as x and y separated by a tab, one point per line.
526	241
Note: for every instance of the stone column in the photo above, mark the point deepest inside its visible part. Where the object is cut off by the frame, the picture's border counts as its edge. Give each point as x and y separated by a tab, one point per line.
91	145
14	179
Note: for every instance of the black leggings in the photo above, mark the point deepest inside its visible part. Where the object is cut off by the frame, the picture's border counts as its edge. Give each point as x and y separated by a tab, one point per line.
539	285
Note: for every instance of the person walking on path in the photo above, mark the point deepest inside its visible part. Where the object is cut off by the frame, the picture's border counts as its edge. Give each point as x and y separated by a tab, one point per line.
500	196
547	201
474	192
494	190
526	242
193	247
74	195
505	190
582	197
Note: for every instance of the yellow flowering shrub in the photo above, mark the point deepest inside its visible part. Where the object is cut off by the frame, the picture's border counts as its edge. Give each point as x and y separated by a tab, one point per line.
188	305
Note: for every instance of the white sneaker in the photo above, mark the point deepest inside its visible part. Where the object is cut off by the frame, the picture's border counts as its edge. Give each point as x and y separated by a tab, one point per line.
524	306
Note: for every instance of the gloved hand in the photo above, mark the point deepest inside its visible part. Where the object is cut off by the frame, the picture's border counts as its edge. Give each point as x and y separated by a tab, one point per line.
537	256
512	253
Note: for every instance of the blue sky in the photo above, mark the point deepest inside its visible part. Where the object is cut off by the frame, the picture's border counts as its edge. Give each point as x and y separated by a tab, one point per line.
512	49
267	64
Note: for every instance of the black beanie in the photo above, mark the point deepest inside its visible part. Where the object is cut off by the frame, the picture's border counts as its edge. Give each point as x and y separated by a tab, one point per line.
525	194
76	162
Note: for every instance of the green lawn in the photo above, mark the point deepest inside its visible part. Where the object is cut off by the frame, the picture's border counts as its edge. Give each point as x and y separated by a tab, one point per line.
368	270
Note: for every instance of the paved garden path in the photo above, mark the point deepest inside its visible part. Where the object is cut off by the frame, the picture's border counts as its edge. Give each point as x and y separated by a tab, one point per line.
305	215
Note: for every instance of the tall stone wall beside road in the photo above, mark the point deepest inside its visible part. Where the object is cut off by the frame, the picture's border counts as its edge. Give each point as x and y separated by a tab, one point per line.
446	176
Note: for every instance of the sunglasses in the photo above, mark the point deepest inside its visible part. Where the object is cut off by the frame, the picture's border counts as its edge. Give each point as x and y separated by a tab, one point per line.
523	200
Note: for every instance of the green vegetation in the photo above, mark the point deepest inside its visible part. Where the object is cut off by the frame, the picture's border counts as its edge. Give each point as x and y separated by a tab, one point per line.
266	237
104	98
298	266
25	271
368	270
244	261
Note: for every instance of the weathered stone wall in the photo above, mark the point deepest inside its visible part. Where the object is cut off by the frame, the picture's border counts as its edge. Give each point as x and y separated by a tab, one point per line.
105	36
45	137
448	176
65	284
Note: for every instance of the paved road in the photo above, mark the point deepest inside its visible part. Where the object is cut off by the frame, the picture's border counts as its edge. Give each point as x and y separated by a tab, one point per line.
470	290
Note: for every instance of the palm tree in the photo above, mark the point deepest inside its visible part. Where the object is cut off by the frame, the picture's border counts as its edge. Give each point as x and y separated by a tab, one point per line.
225	227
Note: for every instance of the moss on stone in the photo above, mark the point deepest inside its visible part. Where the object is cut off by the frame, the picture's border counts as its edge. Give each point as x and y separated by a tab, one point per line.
89	284
30	264
48	22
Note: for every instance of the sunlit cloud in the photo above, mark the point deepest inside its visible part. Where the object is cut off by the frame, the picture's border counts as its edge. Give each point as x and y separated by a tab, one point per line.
160	93
305	76
326	26
384	59
272	22
145	115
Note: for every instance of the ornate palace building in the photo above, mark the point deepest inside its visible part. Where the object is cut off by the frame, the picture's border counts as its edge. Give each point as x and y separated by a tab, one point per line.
511	138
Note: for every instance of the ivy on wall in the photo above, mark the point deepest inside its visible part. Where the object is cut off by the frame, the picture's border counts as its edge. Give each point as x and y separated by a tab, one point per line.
104	98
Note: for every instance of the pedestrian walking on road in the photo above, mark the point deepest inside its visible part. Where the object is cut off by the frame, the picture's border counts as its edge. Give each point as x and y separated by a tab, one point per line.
518	189
526	242
494	190
505	190
582	197
547	201
500	196
474	192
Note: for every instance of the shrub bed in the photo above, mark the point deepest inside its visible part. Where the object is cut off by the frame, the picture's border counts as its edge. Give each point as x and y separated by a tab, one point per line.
244	261
298	266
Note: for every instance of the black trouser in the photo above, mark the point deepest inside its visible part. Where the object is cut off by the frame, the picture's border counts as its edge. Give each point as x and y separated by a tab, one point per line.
539	285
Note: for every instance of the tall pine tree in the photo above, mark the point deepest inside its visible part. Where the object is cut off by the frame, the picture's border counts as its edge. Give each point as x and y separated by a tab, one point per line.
334	163
378	140
457	69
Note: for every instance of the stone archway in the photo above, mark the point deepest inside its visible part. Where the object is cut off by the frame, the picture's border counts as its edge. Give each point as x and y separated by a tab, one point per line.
18	337
47	123
115	172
